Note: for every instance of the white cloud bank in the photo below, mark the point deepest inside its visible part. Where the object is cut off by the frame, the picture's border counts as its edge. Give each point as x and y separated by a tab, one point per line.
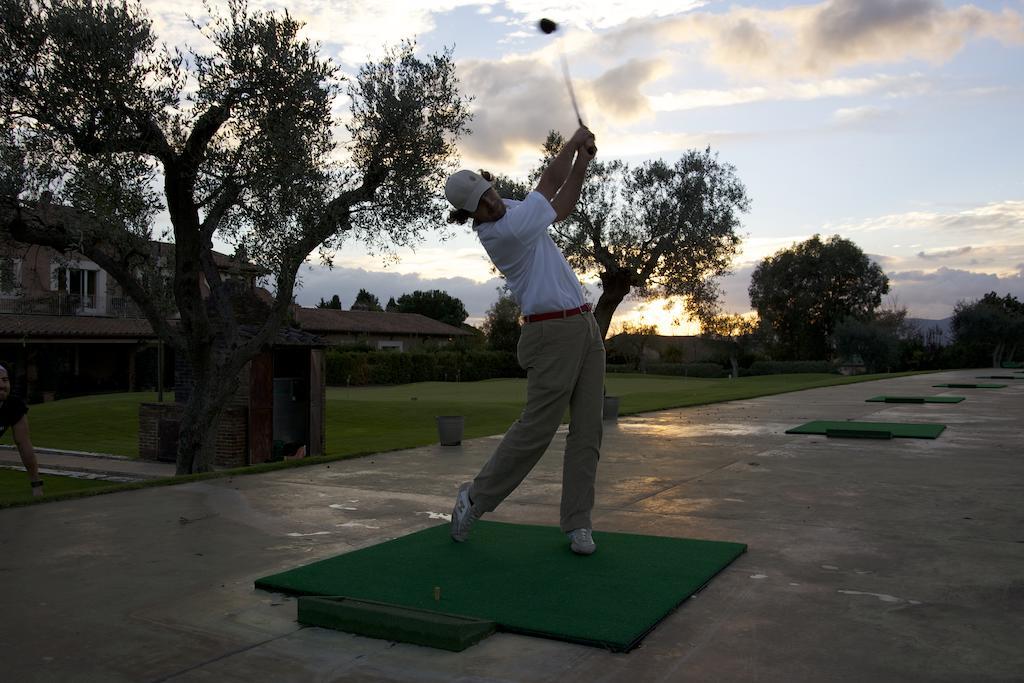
825	38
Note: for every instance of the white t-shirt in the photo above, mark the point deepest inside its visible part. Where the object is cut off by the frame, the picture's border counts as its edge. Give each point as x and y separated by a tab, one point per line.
521	248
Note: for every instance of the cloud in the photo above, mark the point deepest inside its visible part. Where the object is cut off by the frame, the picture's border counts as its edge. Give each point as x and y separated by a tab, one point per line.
943	253
588	15
1000	221
460	257
889	86
755	249
320	283
517	101
1002	259
351	31
617	90
934	294
735	287
855	117
852	32
994	231
823	39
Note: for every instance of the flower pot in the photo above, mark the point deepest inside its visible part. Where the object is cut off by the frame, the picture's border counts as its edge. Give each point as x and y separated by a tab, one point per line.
611	408
450	428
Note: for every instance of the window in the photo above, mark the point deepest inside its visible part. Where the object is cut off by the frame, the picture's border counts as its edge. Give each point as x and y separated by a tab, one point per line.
80	286
389	346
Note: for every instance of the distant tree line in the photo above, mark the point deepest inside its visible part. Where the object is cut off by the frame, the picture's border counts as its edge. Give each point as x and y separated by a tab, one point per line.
822	300
819	303
435	304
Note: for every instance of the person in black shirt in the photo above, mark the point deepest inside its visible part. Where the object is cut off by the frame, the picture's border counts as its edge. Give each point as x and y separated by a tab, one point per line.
14	415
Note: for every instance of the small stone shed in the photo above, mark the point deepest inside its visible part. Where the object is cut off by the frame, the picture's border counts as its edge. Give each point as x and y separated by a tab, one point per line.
279	407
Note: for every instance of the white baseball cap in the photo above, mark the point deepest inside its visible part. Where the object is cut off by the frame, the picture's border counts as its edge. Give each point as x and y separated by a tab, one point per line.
464	189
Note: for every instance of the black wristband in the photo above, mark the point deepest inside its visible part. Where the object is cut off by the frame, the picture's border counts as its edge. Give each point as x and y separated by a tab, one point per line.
37	483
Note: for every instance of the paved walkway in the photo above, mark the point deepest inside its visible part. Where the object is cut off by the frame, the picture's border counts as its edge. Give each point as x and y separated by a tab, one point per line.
891	560
113	467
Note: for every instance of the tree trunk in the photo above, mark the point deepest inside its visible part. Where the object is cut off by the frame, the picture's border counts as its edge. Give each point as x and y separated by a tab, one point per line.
614	288
197	440
735	366
997	354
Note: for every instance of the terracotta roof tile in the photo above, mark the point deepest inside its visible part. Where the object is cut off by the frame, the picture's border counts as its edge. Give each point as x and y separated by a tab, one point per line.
286	336
312	321
332	320
78	327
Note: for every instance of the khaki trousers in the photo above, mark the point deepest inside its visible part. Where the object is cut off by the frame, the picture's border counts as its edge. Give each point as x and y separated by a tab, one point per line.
564	363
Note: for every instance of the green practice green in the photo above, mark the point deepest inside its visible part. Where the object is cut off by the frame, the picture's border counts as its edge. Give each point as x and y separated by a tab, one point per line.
871	429
524	578
915	399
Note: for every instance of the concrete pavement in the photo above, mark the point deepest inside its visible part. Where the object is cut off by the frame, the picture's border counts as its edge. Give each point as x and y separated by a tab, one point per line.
895	560
89	465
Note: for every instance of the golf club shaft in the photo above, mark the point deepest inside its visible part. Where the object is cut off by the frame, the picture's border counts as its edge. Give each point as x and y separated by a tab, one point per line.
572	94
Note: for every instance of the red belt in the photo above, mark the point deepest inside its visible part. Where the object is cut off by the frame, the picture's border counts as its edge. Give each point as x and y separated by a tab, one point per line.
551	315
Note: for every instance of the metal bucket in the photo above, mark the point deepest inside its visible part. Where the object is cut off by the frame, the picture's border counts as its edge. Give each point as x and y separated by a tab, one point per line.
450	428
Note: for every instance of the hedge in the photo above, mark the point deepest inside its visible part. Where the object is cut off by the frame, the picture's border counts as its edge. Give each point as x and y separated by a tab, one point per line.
713	370
353	368
681	369
788	367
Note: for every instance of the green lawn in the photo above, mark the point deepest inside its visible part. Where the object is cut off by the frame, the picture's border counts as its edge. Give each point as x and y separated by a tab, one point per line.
105	423
370	419
14	486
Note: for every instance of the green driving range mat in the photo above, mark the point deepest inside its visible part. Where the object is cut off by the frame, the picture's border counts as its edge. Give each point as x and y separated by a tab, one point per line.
971	386
870	430
523	579
915	399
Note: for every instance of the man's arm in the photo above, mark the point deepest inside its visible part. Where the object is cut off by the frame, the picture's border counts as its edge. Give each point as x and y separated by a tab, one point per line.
28	454
565	201
560	168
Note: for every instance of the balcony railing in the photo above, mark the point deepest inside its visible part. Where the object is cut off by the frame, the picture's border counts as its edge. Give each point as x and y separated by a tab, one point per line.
71	304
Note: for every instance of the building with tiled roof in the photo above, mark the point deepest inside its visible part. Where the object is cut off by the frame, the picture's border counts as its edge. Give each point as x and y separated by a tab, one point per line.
66	328
397	331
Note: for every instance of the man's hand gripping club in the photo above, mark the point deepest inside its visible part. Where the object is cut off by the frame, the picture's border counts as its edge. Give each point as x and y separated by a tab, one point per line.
562	180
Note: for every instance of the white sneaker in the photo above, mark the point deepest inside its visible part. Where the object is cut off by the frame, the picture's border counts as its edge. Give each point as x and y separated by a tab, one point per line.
463	514
582	541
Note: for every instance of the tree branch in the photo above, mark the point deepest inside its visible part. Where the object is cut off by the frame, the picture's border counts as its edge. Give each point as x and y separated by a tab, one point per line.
205	128
225	199
62	229
149	141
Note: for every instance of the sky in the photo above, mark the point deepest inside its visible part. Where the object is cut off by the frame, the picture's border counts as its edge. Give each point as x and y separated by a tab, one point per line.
893	123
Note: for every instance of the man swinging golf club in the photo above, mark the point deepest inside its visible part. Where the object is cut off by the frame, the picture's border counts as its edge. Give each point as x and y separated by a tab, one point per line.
560	345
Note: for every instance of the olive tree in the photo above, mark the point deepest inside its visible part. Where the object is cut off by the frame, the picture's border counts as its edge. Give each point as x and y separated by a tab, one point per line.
104	128
654	230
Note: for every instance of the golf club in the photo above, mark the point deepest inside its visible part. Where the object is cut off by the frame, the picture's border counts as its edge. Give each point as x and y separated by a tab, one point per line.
548	27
